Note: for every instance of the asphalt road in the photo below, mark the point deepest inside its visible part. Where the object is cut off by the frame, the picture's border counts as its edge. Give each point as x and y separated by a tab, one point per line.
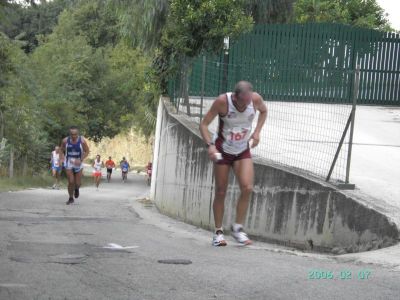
52	251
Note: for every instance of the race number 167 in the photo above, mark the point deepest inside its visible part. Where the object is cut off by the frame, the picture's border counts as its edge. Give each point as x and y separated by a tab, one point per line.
237	136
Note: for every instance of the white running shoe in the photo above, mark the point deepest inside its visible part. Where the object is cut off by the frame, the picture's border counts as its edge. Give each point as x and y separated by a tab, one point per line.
240	236
219	239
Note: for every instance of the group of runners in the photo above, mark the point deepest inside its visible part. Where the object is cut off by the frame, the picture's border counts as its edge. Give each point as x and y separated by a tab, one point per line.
98	165
229	150
70	156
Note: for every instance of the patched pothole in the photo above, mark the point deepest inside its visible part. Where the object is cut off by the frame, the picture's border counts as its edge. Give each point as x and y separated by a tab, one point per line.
69	259
175	261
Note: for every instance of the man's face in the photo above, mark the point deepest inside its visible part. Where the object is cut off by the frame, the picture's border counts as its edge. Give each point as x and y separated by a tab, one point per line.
98	157
245	96
57	148
74	133
109	158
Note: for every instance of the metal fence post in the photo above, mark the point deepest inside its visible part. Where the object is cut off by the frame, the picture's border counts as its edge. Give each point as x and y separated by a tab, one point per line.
203	79
349	124
225	66
353	115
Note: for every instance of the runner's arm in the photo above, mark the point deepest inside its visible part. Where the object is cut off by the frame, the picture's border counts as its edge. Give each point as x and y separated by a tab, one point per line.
215	109
259	105
62	149
262	108
86	150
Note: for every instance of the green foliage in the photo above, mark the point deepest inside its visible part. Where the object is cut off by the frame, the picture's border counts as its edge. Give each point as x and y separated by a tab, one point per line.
25	23
362	13
270	11
92	20
130	91
20	123
141	21
68	85
80	73
89	79
194	27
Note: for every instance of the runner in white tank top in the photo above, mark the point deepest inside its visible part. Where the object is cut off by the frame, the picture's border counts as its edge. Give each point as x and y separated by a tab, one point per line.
234	128
56	167
97	165
236	113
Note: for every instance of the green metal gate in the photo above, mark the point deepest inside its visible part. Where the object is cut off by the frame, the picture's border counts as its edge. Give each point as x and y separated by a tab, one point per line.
307	63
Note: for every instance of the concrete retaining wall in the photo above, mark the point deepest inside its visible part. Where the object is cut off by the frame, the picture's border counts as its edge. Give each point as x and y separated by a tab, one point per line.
285	207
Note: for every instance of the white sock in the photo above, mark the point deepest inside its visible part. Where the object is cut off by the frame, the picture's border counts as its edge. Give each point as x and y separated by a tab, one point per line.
220	228
236	227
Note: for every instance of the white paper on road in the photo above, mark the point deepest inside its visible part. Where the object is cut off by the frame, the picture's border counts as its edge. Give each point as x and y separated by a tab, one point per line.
118	247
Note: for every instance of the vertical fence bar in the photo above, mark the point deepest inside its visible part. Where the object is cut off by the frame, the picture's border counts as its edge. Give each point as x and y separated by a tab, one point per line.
203	79
353	113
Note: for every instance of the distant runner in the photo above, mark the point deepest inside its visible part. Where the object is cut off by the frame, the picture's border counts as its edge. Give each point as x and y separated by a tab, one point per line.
74	150
149	169
124	169
97	165
56	167
236	112
110	165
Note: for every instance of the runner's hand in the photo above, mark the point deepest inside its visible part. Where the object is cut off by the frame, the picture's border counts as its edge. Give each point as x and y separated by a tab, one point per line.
256	139
212	150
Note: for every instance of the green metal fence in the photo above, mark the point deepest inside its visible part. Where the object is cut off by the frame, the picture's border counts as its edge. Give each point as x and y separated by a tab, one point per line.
307	63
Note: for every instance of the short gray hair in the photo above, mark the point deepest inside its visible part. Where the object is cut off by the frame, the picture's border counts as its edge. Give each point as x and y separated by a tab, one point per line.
243	86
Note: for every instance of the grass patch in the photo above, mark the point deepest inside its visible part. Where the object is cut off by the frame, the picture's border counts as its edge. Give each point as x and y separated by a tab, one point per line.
44	180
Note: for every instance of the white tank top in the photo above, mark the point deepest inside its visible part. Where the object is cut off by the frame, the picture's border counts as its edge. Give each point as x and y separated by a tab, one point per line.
234	128
97	165
55	158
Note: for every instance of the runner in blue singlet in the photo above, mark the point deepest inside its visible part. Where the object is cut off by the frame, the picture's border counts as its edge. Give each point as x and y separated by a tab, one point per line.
124	169
74	149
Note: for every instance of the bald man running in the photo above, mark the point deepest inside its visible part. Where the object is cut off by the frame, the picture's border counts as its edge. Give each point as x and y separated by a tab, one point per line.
231	149
74	150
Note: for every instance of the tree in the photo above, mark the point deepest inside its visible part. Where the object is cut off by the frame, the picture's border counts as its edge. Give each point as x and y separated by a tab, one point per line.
141	21
91	19
21	125
362	13
87	79
131	92
25	23
194	27
270	11
68	76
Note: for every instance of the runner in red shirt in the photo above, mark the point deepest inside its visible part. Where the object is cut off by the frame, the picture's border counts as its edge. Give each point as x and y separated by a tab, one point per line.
149	169
110	165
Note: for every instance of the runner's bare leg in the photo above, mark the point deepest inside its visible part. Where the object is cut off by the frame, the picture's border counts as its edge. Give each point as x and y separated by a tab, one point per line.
221	183
58	178
78	179
71	183
244	172
55	176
